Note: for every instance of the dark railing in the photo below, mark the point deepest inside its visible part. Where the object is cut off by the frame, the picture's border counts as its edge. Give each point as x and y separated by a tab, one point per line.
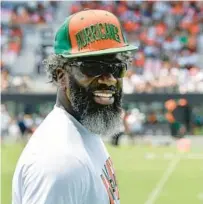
193	99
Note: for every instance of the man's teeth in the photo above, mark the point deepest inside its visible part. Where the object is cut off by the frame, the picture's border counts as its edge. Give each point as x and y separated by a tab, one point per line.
107	95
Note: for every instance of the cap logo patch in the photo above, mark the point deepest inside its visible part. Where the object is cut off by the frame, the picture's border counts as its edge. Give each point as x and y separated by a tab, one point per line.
99	31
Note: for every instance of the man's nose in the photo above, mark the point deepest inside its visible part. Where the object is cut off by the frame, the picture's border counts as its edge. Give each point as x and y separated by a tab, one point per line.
109	80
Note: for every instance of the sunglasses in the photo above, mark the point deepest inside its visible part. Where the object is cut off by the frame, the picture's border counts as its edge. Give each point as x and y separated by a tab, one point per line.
97	68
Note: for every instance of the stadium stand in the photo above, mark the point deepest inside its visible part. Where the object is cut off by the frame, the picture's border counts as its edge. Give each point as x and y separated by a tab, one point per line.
20	24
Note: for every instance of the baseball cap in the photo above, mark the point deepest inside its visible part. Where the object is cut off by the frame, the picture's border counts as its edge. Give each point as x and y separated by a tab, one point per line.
90	33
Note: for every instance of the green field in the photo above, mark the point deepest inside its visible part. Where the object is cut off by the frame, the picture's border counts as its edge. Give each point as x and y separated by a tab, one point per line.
146	175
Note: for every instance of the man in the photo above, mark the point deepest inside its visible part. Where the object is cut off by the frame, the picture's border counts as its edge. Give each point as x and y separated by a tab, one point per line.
65	161
182	115
179	117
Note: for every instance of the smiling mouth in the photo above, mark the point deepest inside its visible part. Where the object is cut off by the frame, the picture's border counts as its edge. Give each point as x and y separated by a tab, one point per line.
103	97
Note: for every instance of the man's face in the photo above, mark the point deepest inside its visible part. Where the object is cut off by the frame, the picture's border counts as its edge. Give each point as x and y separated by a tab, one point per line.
96	100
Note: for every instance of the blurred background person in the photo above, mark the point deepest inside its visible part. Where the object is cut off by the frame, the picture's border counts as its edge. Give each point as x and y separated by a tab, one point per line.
5	122
133	124
13	130
179	116
21	125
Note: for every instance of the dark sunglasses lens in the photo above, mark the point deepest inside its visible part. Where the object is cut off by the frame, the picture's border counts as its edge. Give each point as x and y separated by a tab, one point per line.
94	69
91	69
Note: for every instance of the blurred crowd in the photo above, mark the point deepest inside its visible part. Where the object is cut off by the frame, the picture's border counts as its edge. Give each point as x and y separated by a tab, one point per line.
173	80
11	43
28	12
169	36
20	127
14	16
12	83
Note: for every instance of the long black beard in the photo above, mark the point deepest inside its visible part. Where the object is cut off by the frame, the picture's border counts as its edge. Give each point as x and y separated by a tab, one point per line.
99	119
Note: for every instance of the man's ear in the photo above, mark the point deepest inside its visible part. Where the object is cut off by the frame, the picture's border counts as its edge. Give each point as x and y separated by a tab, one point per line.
61	77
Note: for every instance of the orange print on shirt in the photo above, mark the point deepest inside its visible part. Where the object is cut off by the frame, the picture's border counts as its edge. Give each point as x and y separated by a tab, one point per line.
109	179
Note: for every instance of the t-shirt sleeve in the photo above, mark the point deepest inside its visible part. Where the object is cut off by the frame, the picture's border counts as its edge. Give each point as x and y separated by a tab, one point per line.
59	183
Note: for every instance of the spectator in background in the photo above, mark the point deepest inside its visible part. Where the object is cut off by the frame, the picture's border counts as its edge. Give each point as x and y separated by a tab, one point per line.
170	106
133	124
5	121
13	130
179	116
5	78
21	125
183	116
29	123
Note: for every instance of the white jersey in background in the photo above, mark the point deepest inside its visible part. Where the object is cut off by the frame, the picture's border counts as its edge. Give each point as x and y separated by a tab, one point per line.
63	163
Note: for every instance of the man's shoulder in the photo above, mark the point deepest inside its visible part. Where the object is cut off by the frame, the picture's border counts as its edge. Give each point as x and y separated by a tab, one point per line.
57	129
56	118
56	176
57	167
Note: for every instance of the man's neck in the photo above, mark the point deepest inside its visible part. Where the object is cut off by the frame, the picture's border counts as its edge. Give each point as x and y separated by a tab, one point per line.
62	101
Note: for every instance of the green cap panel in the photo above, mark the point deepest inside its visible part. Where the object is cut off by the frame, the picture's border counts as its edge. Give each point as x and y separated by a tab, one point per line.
62	41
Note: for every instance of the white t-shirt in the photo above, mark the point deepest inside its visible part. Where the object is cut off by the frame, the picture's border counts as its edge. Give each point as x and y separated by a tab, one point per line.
63	163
